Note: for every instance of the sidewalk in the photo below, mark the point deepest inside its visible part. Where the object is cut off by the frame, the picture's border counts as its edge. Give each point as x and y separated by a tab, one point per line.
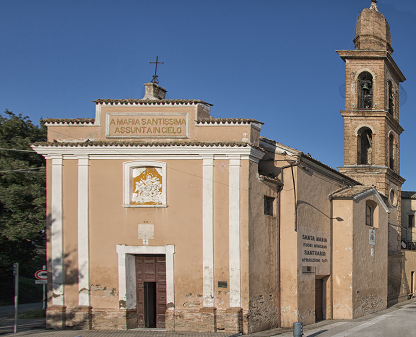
36	328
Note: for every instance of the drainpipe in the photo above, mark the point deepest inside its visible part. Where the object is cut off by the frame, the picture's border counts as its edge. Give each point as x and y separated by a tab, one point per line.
278	235
294	190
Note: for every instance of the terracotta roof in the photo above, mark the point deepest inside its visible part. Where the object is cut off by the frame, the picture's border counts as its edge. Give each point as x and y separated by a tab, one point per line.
408	195
349	192
68	121
151	101
274	143
270	180
144	144
304	156
213	120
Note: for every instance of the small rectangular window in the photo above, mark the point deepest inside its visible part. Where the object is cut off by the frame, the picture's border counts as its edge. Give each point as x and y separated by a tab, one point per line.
268	206
411	220
369	216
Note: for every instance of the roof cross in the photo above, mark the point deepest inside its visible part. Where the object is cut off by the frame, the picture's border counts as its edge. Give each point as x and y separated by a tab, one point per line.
154	77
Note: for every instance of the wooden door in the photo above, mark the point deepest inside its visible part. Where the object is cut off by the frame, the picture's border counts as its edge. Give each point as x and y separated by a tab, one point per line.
319	292
151	290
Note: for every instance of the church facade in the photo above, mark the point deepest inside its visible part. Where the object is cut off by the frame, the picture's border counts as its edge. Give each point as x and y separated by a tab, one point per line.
160	215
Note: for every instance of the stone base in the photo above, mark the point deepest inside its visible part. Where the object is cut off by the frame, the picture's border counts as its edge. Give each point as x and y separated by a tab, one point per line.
202	320
56	317
88	318
198	319
114	319
82	318
205	320
230	320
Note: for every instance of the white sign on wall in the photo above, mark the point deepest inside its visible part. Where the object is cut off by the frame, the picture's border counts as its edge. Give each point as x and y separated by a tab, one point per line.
372	237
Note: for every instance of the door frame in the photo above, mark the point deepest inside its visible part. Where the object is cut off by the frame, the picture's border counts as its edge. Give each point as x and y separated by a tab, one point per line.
127	273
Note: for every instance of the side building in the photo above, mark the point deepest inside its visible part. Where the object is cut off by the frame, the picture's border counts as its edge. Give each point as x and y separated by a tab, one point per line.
408	243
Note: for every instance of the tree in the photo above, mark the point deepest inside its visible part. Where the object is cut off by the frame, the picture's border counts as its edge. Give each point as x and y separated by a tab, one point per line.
22	197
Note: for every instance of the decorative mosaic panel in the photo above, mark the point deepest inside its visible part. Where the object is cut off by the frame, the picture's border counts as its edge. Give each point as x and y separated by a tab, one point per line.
146	186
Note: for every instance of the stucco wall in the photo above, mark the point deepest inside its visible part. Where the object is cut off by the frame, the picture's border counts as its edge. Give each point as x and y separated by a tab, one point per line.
342	259
359	268
408	208
409	267
288	255
314	219
263	255
204	132
369	291
112	224
70	221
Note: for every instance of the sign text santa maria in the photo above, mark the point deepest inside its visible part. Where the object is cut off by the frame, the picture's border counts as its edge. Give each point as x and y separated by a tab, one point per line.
147	125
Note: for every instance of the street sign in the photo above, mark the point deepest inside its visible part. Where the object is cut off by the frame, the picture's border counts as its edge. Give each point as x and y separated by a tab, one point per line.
41	274
41	282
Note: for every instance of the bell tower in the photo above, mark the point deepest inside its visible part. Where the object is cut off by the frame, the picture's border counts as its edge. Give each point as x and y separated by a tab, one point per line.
371	116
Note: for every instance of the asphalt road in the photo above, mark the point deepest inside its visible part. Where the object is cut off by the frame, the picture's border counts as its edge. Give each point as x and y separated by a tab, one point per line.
9	309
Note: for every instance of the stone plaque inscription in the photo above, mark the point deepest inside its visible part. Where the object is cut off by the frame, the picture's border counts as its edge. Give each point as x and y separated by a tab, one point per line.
150	125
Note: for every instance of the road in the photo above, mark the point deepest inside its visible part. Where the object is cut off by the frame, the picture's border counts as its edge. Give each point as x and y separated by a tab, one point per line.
390	323
9	309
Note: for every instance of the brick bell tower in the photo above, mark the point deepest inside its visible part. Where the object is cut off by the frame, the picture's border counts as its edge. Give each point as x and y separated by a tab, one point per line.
371	116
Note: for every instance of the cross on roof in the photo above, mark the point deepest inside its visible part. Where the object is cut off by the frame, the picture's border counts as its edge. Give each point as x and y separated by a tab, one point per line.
154	77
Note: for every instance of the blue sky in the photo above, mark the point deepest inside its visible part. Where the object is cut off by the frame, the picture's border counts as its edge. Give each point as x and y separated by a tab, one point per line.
274	61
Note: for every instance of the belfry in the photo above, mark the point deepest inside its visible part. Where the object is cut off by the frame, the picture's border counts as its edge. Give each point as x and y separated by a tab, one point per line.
371	119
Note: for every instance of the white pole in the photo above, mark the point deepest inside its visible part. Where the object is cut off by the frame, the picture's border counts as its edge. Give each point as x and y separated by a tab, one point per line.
16	292
43	298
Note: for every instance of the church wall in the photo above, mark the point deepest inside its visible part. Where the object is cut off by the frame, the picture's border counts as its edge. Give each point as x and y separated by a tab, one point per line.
70	225
235	133
288	255
112	224
342	263
263	255
48	165
221	232
207	132
314	220
369	291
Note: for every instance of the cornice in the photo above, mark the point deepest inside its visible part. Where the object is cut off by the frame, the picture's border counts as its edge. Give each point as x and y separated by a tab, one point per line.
249	152
133	102
362	113
362	169
327	170
373	54
68	121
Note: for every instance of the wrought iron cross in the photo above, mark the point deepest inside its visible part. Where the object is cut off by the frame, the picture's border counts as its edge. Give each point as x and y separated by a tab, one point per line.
154	79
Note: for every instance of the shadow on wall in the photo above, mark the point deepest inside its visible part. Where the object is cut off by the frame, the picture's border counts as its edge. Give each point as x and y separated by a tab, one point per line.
56	315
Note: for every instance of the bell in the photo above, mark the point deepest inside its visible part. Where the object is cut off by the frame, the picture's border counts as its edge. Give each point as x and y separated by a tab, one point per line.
365	85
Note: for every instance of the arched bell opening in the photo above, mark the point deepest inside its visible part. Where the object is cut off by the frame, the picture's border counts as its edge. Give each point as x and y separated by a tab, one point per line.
390	97
391	152
365	90
365	146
